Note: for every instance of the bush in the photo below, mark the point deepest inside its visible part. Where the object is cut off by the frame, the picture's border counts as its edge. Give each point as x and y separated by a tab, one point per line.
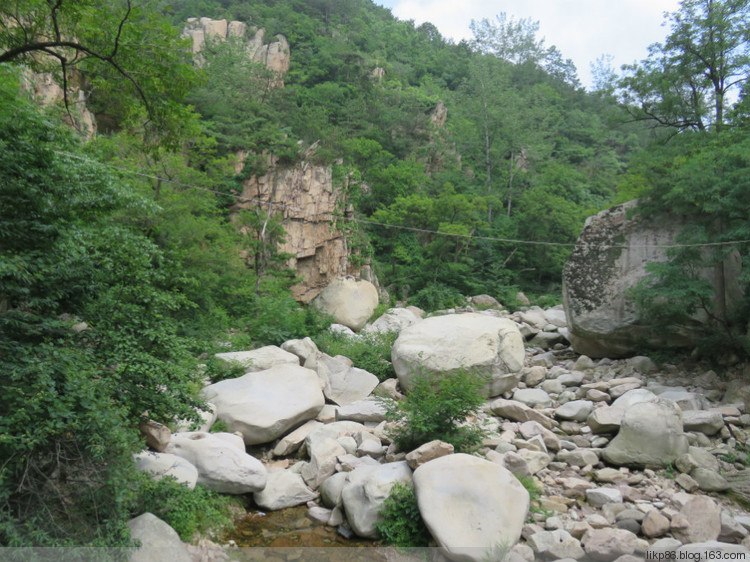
187	511
436	297
436	407
400	522
371	352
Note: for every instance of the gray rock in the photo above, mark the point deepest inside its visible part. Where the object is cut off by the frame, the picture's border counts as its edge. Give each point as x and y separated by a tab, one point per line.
365	492
470	505
606	545
265	405
703	521
650	435
331	488
707	422
632	397
283	489
579	457
606	419
532	397
260	359
577	410
349	301
160	465
371	410
476	342
516	411
597	497
221	461
554	545
159	541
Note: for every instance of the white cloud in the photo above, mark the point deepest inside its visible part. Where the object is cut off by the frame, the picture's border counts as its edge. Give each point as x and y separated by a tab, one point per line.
583	30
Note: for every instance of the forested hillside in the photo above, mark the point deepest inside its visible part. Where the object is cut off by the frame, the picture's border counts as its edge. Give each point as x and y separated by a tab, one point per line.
470	168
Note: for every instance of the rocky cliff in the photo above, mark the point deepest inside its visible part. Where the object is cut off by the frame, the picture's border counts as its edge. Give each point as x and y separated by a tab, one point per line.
47	93
274	55
308	201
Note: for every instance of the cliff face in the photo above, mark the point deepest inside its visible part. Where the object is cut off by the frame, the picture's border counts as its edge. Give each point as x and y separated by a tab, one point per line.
47	92
307	200
274	55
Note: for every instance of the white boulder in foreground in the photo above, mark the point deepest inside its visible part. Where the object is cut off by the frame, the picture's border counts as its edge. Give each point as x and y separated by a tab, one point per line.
221	460
158	540
474	509
482	344
263	406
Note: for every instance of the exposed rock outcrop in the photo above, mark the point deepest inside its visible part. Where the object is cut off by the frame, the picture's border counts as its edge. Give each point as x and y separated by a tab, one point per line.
609	259
306	198
275	55
47	92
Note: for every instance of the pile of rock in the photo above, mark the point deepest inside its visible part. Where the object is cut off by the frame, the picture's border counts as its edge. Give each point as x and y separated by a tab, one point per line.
626	454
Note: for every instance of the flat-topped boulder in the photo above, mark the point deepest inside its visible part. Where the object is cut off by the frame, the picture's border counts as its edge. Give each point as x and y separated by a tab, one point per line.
263	406
474	342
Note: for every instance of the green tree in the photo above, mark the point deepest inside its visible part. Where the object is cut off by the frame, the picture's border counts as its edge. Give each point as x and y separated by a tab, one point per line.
687	81
122	46
73	393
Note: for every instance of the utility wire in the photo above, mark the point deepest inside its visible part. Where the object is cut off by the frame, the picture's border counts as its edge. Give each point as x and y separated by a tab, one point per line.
407	228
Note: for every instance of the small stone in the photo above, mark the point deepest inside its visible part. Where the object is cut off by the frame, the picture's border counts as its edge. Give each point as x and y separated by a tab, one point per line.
597	497
686	482
654	524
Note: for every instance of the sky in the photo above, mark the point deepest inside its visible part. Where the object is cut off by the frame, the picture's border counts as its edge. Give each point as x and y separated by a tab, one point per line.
583	30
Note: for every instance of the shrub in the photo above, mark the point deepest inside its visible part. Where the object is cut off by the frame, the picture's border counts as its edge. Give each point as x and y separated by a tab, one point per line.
400	522
437	296
371	352
186	511
436	407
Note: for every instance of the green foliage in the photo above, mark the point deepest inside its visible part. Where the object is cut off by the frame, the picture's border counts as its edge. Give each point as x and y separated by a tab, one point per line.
437	296
535	494
740	454
703	179
371	352
399	522
436	407
72	398
187	511
219	369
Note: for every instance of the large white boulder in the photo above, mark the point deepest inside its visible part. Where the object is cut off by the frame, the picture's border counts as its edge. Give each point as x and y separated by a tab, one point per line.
609	259
260	359
475	342
349	301
263	406
221	460
160	465
158	540
650	435
472	507
365	491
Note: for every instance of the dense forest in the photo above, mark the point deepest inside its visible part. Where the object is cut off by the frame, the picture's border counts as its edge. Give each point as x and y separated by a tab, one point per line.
470	167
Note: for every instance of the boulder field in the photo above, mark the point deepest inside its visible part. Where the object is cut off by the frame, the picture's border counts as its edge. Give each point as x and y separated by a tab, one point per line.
629	458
